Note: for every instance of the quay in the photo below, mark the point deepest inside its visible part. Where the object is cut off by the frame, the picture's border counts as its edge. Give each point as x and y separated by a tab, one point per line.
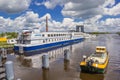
2	72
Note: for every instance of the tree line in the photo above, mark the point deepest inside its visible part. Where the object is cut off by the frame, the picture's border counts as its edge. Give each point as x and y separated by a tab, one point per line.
9	35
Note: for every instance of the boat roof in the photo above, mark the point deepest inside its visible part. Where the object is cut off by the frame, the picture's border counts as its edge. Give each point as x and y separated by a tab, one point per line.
101	49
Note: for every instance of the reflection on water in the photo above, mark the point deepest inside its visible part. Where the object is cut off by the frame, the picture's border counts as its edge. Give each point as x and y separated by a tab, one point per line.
35	61
66	65
87	76
45	74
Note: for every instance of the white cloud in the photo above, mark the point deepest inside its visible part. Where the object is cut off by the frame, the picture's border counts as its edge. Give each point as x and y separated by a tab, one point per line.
93	19
113	11
114	22
28	20
31	20
84	8
37	3
65	25
5	22
91	24
109	3
50	4
77	8
110	24
14	6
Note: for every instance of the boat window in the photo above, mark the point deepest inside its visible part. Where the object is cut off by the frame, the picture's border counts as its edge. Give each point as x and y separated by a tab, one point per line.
43	35
48	35
100	49
43	41
51	35
12	40
26	41
97	55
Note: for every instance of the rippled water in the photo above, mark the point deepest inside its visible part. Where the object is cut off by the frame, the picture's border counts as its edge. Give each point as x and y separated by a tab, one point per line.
64	70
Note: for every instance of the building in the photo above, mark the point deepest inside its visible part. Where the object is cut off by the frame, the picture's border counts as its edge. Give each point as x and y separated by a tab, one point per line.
78	27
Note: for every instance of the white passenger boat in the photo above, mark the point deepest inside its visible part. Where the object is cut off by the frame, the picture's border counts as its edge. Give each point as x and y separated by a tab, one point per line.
32	40
36	40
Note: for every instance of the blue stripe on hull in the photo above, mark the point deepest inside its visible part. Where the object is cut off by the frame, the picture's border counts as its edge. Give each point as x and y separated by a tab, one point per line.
30	53
46	46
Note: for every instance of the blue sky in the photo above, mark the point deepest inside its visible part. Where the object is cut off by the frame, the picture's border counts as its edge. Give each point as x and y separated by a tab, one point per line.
96	15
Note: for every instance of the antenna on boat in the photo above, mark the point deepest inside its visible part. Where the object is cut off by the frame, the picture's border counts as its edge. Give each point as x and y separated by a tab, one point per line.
46	24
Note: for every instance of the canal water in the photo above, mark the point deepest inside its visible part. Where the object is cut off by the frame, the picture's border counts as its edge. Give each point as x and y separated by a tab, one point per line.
29	68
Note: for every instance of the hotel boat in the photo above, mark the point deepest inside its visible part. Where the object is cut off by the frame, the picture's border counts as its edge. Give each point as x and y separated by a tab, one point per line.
96	62
34	40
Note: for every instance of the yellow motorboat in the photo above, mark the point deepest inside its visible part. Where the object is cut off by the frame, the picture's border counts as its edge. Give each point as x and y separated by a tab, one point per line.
96	62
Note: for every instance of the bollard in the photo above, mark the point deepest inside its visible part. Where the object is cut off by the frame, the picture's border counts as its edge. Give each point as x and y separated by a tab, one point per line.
9	70
45	61
66	55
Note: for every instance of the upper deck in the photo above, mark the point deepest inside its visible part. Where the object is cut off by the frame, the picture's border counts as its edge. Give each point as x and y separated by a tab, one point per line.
101	49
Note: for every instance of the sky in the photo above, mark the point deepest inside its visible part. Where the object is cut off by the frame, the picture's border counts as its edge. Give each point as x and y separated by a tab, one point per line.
63	15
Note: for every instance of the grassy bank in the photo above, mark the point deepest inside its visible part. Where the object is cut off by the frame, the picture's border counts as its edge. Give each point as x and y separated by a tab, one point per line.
5	45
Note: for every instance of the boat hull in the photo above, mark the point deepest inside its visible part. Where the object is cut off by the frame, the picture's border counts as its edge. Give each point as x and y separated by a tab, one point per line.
92	69
28	49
